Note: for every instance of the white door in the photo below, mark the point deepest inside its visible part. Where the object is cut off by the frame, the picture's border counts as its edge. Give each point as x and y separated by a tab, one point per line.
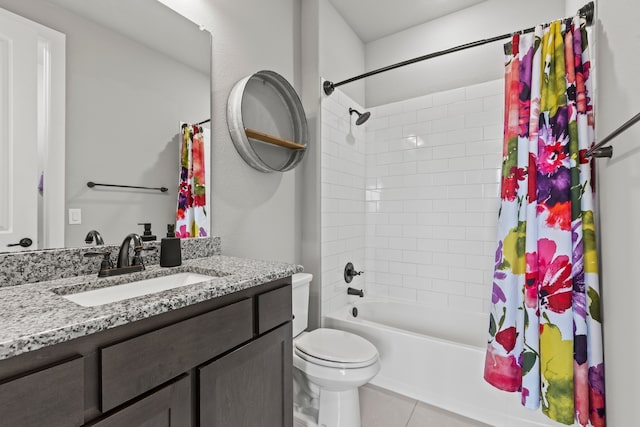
18	132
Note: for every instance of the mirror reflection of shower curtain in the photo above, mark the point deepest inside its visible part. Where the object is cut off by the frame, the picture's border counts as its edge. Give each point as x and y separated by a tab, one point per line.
191	213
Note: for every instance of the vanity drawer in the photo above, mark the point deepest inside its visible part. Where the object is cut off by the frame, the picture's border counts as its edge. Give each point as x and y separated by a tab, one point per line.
273	309
137	365
51	396
168	406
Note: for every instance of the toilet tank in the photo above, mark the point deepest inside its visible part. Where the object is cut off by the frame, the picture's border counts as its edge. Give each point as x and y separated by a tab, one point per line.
300	301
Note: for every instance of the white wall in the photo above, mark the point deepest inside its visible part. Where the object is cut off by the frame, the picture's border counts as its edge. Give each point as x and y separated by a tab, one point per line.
330	47
433	166
257	215
311	201
572	6
342	53
343	205
618	37
418	213
487	19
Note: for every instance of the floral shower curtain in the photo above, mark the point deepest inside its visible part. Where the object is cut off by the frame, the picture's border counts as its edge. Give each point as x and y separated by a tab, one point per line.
191	216
545	337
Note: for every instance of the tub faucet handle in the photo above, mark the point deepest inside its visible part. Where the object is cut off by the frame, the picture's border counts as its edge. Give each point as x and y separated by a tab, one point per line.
350	272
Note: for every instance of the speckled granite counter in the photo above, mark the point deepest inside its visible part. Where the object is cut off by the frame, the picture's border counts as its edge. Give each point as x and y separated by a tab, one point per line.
33	316
17	268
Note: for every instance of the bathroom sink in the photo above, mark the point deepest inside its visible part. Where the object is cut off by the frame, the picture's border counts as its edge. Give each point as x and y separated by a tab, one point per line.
138	288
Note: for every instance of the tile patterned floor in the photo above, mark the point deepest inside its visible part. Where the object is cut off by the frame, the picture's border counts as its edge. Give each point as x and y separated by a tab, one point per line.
383	408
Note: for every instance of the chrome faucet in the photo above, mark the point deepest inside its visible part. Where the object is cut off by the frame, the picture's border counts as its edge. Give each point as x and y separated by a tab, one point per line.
93	234
123	255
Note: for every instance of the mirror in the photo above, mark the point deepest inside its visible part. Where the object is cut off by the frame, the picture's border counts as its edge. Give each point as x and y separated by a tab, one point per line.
135	70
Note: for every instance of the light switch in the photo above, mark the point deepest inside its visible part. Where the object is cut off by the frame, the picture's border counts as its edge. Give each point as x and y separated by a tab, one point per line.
75	216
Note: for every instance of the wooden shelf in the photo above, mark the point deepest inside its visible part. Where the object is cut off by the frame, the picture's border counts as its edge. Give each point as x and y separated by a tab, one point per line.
271	139
248	100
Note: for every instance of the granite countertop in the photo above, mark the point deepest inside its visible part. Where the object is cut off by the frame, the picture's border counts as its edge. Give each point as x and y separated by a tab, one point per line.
36	315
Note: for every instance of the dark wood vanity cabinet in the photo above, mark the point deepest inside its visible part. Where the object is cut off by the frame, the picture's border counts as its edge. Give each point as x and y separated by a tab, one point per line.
223	362
132	367
52	396
170	406
230	394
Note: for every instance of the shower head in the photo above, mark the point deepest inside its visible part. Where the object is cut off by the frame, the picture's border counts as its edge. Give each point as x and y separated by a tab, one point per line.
362	117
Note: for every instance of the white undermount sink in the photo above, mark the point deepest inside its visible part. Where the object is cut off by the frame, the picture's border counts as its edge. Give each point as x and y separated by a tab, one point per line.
138	288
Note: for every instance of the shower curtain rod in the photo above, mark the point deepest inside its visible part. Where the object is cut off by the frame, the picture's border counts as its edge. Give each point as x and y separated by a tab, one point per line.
184	125
586	11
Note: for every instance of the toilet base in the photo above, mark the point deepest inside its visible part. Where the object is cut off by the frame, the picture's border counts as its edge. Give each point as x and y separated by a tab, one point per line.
339	408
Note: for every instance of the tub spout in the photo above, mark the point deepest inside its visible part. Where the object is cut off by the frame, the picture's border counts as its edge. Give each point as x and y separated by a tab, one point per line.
357	292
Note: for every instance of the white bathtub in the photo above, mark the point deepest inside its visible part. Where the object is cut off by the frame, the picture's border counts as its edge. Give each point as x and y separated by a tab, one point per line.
435	356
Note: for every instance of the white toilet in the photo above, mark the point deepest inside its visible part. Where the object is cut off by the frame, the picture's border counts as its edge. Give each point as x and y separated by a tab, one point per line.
329	366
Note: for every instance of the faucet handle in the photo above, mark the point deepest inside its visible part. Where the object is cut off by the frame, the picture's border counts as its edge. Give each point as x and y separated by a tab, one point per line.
106	261
137	258
350	272
137	255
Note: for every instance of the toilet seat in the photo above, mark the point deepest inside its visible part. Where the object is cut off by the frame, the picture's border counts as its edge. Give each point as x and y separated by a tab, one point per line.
336	349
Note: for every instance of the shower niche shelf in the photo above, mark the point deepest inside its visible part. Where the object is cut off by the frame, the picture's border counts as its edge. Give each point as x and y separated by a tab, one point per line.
267	123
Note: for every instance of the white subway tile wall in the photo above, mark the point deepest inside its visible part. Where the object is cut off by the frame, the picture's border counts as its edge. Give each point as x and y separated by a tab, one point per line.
343	190
411	197
432	183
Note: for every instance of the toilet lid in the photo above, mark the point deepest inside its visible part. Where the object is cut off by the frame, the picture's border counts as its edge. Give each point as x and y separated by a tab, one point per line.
334	346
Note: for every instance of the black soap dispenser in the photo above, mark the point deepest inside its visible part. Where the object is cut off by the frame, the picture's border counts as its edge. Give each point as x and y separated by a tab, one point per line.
170	251
147	236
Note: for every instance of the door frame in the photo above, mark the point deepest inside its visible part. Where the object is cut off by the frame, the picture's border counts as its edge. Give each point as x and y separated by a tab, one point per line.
51	127
52	46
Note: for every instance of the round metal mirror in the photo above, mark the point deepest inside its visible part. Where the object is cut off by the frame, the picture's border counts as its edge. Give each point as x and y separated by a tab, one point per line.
267	123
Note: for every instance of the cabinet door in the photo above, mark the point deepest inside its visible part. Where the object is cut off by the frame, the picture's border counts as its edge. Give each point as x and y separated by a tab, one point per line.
170	406
251	386
52	396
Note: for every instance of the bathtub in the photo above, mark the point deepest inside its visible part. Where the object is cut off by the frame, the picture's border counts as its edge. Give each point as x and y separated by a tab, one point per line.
436	356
